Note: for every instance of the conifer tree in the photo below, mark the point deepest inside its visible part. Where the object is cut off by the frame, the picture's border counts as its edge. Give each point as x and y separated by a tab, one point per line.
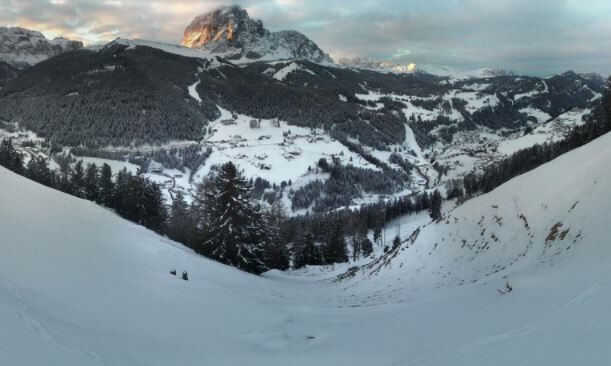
396	242
91	183
153	215
436	205
65	170
78	180
38	170
105	186
180	225
234	230
306	253
367	247
276	253
335	249
10	158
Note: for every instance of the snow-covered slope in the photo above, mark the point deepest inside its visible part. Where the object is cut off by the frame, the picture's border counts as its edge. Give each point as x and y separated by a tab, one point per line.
552	219
22	47
79	286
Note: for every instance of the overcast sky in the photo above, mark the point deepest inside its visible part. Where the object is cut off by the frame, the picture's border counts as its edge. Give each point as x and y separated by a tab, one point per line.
527	36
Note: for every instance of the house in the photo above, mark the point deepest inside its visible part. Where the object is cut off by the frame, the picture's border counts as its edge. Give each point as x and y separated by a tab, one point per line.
155	167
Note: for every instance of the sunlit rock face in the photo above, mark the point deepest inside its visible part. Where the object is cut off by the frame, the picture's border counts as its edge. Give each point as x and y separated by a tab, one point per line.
230	32
228	23
23	47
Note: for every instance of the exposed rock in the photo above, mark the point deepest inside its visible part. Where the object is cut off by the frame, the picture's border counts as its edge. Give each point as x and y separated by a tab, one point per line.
230	32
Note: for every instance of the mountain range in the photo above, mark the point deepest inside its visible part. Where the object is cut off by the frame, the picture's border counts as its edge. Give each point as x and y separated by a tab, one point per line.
190	107
22	47
388	214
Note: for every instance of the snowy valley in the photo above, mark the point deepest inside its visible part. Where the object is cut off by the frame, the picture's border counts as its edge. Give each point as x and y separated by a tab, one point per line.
237	196
87	288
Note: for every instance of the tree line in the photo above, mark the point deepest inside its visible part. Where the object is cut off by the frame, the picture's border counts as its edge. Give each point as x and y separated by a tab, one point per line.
597	124
224	223
132	196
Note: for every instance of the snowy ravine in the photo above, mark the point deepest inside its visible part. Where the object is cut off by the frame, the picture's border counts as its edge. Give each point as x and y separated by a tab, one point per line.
80	286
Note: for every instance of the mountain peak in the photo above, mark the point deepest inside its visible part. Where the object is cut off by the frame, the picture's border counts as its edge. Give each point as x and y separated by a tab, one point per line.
22	47
232	33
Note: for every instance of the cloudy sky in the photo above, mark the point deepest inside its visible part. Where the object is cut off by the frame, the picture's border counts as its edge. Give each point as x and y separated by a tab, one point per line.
536	37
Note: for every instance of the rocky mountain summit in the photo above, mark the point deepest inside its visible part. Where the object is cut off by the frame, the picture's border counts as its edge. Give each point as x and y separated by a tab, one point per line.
230	32
22	47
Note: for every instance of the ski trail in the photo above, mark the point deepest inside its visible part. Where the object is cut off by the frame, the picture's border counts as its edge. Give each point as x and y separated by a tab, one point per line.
24	313
579	299
584	295
500	337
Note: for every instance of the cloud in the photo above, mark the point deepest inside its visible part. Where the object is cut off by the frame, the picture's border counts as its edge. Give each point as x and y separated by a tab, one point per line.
533	37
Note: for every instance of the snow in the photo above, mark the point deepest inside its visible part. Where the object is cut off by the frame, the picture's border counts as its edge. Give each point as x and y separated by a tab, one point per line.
533	92
422	113
456	75
453	74
538	114
115	165
193	91
551	131
267	153
87	288
474	100
281	74
173	144
166	47
477	86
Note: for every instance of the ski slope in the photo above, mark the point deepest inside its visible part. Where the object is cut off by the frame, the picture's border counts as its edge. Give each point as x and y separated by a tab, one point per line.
80	286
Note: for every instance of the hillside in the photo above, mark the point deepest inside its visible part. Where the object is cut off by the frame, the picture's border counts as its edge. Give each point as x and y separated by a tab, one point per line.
7	72
83	287
550	219
170	106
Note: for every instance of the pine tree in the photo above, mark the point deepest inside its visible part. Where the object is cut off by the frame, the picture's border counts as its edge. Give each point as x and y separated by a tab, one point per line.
277	256
153	214
65	170
90	183
235	232
106	186
396	242
78	180
436	205
180	226
120	192
377	235
367	247
10	158
335	249
307	253
38	170
139	200
606	106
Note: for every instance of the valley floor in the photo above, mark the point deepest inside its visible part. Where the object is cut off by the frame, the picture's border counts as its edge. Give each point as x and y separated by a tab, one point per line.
79	286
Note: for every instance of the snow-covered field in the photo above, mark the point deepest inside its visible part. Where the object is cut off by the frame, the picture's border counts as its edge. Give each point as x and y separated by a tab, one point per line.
279	152
275	153
80	286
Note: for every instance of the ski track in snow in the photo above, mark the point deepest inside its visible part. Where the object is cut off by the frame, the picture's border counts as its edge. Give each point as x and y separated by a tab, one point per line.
25	314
